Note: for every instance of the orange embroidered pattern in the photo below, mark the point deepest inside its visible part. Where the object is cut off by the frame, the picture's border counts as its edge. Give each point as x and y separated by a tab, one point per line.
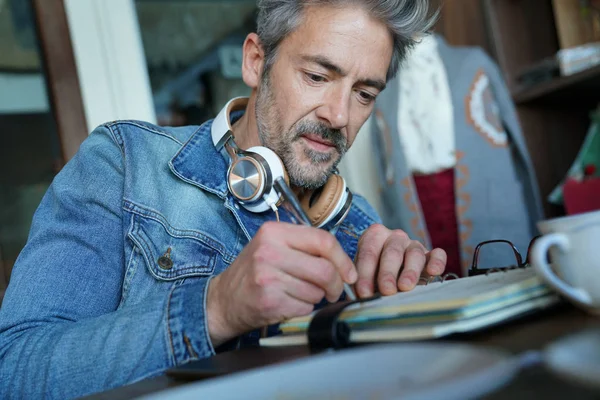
463	203
415	221
482	111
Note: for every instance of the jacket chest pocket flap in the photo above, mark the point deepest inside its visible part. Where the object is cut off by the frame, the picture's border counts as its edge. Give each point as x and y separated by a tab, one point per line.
171	253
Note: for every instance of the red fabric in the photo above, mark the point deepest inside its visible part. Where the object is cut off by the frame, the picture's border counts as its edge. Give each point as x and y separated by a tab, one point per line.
581	197
438	202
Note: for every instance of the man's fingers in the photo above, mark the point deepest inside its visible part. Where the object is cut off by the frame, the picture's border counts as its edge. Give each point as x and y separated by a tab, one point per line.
436	262
316	271
302	290
368	254
390	262
317	242
414	263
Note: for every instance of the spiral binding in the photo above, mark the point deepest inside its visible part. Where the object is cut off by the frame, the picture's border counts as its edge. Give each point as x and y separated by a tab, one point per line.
505	269
472	272
426	281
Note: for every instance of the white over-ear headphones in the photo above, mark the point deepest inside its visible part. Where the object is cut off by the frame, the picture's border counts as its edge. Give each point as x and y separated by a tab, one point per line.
252	173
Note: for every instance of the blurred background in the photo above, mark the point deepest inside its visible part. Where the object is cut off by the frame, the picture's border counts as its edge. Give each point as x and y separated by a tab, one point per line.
67	66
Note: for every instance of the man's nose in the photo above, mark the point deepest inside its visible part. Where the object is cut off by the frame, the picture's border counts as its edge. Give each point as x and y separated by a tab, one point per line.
335	109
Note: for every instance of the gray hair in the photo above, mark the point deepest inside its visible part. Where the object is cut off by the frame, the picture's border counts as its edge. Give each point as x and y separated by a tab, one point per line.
406	20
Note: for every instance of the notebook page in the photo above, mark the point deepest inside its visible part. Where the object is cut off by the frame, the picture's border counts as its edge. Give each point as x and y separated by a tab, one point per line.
455	293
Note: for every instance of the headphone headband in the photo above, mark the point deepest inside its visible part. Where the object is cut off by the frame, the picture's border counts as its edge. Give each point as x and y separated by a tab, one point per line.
221	130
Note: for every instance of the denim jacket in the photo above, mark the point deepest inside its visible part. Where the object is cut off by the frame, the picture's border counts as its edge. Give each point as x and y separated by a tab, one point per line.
111	285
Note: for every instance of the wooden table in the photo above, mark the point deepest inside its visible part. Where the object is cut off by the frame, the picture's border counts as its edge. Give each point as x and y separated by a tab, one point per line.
530	333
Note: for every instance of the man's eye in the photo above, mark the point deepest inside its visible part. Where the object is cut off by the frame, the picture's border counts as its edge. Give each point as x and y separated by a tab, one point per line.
366	97
315	78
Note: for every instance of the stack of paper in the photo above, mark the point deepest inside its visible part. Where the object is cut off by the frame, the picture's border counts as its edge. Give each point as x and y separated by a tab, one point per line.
435	310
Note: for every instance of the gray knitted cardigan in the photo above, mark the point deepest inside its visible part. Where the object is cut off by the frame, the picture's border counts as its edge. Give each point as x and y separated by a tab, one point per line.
496	190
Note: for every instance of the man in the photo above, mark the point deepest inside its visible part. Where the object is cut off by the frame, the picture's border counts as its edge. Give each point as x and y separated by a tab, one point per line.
139	259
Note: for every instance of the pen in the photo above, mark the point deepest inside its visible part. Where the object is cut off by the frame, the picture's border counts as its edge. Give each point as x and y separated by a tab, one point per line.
299	214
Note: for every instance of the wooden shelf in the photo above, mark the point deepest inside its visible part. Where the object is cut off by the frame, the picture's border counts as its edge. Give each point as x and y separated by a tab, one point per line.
580	88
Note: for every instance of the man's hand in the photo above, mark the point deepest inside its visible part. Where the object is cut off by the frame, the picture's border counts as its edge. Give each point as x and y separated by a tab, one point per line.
282	273
390	259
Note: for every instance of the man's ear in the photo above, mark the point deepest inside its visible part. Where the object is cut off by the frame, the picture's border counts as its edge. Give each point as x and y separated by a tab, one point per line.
253	61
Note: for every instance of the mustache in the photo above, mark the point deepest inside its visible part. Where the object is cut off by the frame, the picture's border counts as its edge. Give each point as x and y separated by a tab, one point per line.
334	136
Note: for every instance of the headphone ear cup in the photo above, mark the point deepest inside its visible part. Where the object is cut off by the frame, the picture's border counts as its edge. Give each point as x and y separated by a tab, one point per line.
245	178
320	204
273	168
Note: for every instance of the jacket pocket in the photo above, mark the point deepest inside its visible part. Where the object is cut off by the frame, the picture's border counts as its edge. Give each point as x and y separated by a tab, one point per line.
172	253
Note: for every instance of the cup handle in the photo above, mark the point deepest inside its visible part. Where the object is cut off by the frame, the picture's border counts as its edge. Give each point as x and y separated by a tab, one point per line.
538	256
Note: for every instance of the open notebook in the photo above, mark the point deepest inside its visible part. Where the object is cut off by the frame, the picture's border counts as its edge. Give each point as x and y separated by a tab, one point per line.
435	310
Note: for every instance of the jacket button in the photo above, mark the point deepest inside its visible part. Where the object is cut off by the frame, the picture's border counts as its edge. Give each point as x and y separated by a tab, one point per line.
164	261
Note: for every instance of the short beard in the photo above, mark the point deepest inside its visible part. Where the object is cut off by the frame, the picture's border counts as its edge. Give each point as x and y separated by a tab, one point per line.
311	177
299	176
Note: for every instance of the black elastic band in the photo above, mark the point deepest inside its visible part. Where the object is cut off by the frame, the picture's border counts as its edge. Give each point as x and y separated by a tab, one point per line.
326	331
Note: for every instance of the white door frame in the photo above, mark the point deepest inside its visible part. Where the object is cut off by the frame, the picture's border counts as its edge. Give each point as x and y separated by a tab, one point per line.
110	59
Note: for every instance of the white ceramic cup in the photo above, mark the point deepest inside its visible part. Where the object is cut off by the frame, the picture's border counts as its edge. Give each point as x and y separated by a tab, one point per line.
574	246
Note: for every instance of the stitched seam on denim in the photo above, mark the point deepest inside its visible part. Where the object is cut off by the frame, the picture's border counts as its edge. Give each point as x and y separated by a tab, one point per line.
134	208
183	152
191	237
168	316
206	333
369	221
239	221
116	137
189	346
221	194
360	211
147	128
183	148
182	276
158	217
350	232
173	274
199	268
126	281
137	239
240	236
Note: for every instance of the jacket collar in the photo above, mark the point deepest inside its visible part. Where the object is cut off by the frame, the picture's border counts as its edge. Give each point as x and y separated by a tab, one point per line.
198	162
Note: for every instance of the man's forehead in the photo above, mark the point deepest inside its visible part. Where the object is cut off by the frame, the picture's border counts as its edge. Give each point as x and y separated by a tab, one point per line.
347	37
